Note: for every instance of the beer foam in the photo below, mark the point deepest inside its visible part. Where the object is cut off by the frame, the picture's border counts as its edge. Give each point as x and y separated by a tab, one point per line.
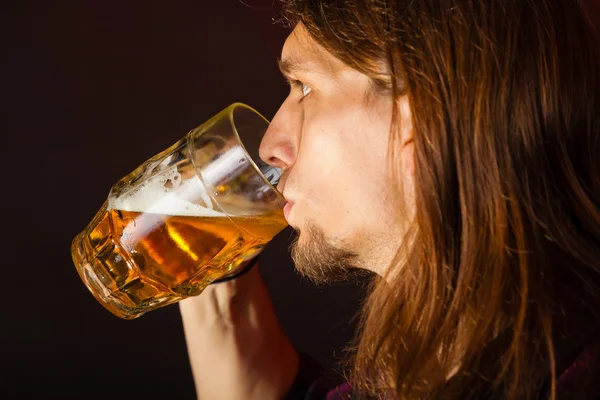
156	198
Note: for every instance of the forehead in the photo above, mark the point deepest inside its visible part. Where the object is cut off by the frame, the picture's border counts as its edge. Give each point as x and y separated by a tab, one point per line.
302	52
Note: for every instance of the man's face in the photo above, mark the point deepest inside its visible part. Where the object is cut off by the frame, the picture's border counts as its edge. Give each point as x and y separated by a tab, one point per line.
330	137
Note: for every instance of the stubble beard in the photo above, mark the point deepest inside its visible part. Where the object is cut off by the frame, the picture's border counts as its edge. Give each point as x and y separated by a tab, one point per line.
320	261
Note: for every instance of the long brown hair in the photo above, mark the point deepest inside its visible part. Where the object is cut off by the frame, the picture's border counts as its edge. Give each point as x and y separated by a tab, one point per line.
505	101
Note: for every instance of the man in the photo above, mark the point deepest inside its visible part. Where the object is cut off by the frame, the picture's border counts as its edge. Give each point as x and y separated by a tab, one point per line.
452	148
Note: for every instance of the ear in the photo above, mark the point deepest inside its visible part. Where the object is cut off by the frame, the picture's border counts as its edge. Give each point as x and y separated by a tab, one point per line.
405	176
405	125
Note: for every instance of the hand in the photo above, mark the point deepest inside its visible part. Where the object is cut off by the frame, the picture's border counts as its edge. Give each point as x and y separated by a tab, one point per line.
236	345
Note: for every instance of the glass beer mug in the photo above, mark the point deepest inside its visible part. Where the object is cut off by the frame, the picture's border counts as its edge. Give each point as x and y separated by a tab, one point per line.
188	216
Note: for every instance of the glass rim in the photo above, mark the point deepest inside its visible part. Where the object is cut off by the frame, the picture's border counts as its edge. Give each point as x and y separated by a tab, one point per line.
230	110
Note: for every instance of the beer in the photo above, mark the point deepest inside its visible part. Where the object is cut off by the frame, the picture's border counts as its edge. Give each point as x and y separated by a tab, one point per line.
191	214
143	259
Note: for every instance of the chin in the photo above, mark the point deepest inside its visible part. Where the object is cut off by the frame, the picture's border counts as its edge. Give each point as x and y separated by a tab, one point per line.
321	261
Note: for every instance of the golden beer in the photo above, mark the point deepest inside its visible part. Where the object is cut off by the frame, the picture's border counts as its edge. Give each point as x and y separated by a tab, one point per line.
186	217
147	259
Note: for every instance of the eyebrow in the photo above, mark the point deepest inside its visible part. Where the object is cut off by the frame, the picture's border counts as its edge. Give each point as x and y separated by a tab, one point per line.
291	65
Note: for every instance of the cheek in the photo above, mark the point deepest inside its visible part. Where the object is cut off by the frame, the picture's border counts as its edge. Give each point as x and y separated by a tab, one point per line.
342	172
369	197
322	175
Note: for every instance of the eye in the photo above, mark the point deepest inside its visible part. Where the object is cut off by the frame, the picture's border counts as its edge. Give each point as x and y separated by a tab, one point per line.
303	87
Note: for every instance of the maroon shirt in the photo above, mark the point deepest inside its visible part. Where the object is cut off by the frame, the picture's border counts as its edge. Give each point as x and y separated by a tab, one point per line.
575	382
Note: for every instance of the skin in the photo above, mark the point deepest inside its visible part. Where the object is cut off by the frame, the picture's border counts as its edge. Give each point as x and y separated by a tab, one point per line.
331	139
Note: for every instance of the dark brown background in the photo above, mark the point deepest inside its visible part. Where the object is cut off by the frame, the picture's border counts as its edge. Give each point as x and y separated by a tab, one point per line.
90	90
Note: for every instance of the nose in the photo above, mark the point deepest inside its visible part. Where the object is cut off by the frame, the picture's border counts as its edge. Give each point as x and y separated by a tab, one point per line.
279	146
